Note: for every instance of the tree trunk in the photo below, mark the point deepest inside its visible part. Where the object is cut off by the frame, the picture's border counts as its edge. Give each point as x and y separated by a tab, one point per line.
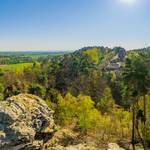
133	127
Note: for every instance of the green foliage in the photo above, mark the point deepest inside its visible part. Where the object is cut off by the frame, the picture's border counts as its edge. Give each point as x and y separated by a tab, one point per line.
64	70
145	130
14	88
93	54
25	57
67	108
136	74
33	74
52	94
17	67
37	90
78	109
106	103
136	79
1	88
122	122
1	92
92	85
81	110
148	114
96	90
88	116
49	103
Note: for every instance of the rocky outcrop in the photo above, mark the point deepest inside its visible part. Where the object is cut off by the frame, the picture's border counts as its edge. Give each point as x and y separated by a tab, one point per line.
120	54
66	139
114	146
117	60
75	147
26	122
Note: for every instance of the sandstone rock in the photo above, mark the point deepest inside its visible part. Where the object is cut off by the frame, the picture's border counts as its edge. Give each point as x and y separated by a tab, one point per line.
25	119
111	146
61	139
75	147
81	147
114	146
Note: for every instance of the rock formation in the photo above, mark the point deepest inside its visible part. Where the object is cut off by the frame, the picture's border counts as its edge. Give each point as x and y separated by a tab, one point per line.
26	122
117	60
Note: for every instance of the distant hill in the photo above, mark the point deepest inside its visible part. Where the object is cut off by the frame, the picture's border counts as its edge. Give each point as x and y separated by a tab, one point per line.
14	57
104	57
143	50
108	58
38	52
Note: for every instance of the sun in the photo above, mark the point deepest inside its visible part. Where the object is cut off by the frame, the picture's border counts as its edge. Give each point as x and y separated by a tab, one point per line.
128	1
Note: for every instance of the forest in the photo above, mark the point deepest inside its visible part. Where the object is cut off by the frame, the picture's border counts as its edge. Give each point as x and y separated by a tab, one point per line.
99	92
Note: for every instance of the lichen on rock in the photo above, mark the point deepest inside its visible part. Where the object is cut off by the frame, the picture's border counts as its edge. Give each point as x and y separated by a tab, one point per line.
25	119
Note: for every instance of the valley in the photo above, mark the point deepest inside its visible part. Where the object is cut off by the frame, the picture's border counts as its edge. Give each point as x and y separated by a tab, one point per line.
94	94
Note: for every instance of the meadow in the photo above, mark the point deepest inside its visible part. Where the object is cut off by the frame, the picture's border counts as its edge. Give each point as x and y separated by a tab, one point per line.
18	68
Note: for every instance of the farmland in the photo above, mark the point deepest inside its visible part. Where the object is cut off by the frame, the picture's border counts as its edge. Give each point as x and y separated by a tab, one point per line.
26	56
18	68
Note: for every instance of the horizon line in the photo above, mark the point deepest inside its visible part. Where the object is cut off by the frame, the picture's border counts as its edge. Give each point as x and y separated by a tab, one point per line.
69	50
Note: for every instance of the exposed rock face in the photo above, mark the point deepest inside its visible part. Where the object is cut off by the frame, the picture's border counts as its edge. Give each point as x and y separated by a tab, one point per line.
75	147
111	146
118	60
25	122
114	146
66	139
121	54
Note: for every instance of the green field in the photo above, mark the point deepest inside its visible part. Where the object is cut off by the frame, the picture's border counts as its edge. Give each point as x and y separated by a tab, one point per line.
16	67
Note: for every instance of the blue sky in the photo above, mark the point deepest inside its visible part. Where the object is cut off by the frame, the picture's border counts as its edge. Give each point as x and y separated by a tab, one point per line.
72	24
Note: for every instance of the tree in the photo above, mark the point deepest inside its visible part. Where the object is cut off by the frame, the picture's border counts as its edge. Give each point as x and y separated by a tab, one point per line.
136	83
67	109
79	110
37	90
14	88
92	84
88	115
52	94
67	69
1	92
106	103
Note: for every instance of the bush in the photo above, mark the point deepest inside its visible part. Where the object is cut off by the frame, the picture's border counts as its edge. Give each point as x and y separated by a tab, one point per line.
106	103
52	94
88	116
37	90
67	109
79	108
81	112
1	88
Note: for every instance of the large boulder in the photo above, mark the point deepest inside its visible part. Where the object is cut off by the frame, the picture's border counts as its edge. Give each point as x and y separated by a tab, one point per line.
26	122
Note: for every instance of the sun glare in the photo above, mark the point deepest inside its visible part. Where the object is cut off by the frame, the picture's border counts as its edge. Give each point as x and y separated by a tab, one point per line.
128	1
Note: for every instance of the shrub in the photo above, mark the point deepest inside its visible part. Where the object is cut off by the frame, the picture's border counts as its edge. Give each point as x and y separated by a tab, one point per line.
88	116
37	90
67	108
79	108
106	103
